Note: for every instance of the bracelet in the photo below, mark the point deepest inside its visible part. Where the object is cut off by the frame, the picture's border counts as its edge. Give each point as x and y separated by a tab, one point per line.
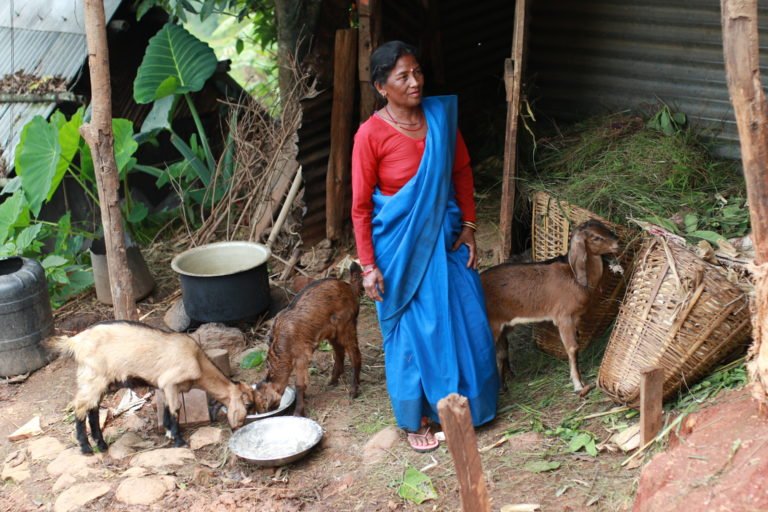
469	224
368	270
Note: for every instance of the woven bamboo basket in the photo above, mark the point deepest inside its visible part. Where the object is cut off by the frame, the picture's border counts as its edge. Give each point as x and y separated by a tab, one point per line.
679	313
551	228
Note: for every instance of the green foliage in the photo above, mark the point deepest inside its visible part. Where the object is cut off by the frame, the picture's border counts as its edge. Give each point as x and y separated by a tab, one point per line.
37	159
253	360
541	466
666	121
729	376
175	62
416	486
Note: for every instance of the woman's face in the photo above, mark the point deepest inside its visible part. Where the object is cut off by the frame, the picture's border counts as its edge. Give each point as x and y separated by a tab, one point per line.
404	84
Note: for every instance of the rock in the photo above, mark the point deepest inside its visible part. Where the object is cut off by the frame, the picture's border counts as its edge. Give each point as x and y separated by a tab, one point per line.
127	445
46	448
134	422
29	429
16	467
80	494
73	462
135	471
143	490
215	335
376	447
202	476
525	441
176	317
64	482
316	259
205	436
163	457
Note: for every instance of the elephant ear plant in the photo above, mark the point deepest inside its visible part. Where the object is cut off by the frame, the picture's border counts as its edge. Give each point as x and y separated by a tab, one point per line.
175	65
47	152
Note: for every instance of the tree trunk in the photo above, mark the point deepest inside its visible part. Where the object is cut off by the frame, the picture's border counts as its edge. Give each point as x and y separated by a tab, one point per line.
742	65
98	135
296	20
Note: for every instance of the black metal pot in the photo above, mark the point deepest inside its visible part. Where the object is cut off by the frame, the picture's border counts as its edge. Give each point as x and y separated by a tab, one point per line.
224	281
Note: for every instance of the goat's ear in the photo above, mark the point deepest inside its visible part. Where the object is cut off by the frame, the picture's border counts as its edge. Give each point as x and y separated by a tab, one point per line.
577	257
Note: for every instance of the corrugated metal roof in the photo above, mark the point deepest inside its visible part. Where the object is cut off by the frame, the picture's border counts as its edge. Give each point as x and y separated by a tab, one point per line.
594	56
42	38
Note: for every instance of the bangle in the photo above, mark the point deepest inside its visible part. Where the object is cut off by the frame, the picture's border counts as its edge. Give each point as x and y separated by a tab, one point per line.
368	270
470	225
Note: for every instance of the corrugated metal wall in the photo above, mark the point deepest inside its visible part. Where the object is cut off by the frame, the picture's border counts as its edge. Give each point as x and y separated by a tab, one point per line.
593	56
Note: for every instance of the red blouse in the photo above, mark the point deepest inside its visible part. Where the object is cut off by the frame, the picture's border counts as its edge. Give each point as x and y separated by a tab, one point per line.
384	157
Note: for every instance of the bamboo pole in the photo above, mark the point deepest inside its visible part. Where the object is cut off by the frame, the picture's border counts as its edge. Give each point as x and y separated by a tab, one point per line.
742	66
98	135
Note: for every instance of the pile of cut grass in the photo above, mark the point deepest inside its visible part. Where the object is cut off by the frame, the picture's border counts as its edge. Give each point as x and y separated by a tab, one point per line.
620	169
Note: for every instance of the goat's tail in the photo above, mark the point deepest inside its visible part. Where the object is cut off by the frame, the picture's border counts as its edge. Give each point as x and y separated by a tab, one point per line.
356	278
63	345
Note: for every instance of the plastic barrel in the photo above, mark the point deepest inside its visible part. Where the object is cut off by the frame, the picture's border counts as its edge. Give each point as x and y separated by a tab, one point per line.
25	316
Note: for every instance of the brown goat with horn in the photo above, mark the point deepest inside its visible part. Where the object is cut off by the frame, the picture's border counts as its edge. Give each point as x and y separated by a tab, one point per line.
558	291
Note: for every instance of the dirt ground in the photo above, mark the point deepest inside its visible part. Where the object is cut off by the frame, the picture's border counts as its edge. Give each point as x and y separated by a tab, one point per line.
534	415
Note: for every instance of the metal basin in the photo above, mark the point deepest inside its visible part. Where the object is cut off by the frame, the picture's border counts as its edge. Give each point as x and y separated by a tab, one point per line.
276	441
289	396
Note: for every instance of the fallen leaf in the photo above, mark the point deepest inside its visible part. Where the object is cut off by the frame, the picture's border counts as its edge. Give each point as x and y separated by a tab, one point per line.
540	466
521	507
29	429
416	487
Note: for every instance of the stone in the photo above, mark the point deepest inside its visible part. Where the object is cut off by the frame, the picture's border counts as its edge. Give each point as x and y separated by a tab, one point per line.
80	494
221	360
317	258
377	446
46	448
205	436
135	471
65	481
525	441
176	317
143	490
16	467
194	408
73	462
216	335
127	445
134	422
163	457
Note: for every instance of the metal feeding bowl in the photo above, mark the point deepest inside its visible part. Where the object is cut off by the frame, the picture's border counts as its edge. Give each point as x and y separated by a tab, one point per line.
289	396
276	441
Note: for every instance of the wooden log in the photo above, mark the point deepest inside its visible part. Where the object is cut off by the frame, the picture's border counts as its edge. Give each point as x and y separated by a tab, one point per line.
339	164
651	396
513	75
742	66
193	411
98	135
456	421
220	359
365	46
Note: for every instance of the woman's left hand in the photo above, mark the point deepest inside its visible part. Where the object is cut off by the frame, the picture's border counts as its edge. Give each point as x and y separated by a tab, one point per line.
467	237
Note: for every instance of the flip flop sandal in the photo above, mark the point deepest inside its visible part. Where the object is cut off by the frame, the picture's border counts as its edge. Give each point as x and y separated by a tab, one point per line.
425	446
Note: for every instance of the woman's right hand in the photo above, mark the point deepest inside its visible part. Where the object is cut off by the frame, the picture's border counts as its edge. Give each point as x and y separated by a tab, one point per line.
373	282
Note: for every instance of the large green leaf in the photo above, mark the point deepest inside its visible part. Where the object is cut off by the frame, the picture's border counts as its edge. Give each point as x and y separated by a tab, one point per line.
175	62
125	145
416	487
10	212
37	159
159	118
69	140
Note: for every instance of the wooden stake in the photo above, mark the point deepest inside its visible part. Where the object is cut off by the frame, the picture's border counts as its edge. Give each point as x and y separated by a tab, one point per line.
366	44
651	393
742	66
341	131
456	421
98	135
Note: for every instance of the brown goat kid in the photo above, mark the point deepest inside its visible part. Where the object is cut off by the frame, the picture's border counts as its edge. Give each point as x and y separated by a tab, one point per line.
124	353
324	310
557	290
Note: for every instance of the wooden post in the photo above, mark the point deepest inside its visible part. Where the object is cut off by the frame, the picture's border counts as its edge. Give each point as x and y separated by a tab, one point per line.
513	75
651	394
456	421
742	66
366	44
341	130
98	135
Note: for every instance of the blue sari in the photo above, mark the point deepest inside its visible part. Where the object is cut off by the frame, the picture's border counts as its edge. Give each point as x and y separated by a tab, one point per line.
437	339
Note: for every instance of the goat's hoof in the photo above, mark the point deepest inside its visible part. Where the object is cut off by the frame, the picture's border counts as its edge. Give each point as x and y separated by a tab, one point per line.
102	445
180	443
86	449
333	382
585	390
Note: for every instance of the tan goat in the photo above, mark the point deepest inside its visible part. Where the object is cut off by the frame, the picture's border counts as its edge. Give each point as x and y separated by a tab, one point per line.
126	353
557	291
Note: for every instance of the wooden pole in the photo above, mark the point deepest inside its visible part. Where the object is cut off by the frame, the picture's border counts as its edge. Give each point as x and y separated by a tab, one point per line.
742	66
98	135
513	75
651	395
456	421
366	44
341	130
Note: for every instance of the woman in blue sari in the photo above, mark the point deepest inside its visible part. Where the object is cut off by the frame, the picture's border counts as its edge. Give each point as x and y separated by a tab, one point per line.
413	214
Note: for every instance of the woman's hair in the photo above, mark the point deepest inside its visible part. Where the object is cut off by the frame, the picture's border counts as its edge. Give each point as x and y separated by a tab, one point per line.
384	58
